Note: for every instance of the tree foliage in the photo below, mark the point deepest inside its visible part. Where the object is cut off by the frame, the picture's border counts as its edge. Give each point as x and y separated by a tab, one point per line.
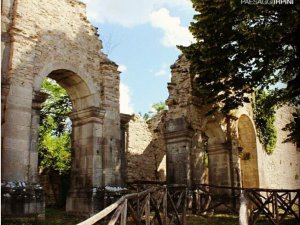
55	129
294	129
155	109
264	116
241	48
158	107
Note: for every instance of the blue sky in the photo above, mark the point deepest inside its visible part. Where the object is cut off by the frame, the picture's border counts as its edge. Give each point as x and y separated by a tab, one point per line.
141	37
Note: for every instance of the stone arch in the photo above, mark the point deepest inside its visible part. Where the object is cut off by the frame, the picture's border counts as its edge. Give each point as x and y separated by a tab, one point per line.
76	82
248	148
87	133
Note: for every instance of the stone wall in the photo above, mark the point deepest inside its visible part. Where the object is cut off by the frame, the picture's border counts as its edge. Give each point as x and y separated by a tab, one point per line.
281	169
145	149
235	154
54	39
227	139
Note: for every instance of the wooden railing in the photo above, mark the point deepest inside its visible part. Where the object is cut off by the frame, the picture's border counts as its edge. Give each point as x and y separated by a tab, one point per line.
275	204
167	205
157	205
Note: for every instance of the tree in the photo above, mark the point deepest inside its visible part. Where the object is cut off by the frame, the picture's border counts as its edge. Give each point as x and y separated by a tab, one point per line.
242	47
155	109
294	129
158	107
55	129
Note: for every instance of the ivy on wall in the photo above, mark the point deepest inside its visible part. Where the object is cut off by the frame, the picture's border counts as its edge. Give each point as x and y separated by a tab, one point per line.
264	117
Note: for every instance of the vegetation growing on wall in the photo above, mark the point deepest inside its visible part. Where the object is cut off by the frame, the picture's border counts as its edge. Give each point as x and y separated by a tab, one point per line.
240	48
55	129
264	117
294	129
155	109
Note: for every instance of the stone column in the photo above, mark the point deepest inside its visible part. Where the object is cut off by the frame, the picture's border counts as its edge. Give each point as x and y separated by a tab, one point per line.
218	163
6	21
19	196
38	99
111	123
197	159
178	143
124	144
87	166
16	129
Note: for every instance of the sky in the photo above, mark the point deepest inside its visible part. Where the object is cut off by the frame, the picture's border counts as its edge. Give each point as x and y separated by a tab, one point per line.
141	37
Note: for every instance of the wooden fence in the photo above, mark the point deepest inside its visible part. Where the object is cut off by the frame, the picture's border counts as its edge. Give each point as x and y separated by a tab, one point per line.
275	204
168	204
160	205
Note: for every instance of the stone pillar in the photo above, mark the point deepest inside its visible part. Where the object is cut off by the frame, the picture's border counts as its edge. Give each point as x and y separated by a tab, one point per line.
111	123
38	99
87	157
218	163
178	143
16	129
124	144
20	197
6	21
197	159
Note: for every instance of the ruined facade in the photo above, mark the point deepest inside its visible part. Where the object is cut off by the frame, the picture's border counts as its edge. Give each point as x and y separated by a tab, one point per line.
38	41
220	150
235	155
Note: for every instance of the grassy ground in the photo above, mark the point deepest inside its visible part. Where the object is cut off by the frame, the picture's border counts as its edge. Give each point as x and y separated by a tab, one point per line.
58	217
54	216
224	219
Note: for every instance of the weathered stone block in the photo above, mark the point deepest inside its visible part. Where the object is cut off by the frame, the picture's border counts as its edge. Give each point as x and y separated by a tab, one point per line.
20	199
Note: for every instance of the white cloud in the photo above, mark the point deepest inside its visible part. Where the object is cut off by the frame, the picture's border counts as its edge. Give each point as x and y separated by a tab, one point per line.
163	71
125	99
174	33
130	12
122	68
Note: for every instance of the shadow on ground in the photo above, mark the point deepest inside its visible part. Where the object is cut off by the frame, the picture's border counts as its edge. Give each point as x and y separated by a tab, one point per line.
56	216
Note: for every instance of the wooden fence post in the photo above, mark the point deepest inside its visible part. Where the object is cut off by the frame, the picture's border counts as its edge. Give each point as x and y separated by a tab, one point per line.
184	207
124	213
147	209
165	206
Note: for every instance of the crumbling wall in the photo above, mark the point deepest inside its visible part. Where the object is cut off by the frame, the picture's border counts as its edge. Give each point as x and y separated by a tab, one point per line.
54	39
145	149
190	134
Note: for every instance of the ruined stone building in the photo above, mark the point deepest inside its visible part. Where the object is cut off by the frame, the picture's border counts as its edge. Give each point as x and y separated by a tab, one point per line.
212	149
40	41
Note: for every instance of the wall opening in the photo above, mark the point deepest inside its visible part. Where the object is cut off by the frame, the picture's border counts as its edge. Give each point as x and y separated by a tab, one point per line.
74	140
248	152
54	147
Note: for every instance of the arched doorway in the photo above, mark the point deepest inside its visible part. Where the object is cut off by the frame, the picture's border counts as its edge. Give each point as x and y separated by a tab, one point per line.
86	140
54	144
247	145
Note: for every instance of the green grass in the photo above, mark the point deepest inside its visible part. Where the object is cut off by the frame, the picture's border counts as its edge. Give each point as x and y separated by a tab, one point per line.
226	219
54	216
58	217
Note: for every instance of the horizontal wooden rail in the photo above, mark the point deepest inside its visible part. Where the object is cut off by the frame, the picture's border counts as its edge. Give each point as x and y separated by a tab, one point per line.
245	189
112	207
274	204
167	204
